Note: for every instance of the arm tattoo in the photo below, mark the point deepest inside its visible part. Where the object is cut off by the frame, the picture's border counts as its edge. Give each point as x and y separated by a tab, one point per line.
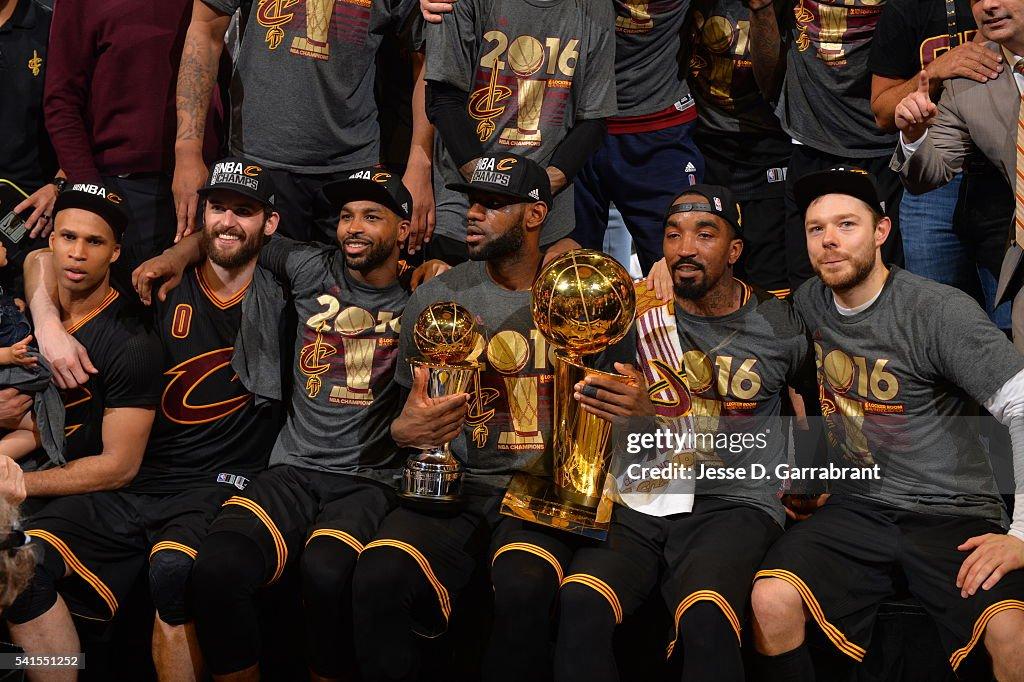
196	77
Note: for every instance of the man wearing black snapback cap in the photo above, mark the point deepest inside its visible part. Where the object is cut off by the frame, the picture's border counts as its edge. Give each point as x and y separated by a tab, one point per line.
718	359
902	365
332	466
209	436
507	430
108	419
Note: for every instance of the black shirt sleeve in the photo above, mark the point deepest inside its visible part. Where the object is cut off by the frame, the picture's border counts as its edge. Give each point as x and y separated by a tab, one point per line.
446	109
579	144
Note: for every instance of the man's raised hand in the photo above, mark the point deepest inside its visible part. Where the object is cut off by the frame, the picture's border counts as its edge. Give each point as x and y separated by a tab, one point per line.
916	111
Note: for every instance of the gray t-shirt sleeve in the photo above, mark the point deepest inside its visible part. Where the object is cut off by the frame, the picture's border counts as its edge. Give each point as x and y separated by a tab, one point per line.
598	96
452	47
285	258
225	6
801	375
971	351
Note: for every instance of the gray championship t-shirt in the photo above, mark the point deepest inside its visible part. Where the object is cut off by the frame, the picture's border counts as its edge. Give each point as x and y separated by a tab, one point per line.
728	99
302	90
900	384
826	99
343	396
737	367
649	73
509	424
532	68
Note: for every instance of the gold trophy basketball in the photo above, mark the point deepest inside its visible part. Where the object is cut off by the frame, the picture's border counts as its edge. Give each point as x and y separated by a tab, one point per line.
445	335
583	302
318	22
525	57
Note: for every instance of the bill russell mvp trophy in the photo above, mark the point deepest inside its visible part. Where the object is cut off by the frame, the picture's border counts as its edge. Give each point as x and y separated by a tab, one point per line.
583	302
445	335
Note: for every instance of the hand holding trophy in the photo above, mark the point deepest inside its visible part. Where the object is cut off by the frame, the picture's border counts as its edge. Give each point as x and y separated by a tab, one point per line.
445	334
583	302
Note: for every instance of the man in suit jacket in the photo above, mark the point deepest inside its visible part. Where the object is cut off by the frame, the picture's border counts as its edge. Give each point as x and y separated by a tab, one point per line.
935	140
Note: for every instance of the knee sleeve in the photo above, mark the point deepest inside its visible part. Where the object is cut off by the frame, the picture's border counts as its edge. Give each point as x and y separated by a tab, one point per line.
711	649
385	579
586	626
385	586
704	626
327	567
228	574
523	581
525	588
169	573
41	593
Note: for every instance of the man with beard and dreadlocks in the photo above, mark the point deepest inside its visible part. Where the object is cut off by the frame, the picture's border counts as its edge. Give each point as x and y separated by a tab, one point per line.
903	364
723	354
207	439
333	466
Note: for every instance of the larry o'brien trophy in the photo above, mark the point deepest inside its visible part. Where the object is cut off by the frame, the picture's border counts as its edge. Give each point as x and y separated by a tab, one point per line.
445	335
583	302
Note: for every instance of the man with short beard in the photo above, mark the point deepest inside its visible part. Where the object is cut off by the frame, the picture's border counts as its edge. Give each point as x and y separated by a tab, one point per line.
420	560
333	466
209	437
722	354
903	364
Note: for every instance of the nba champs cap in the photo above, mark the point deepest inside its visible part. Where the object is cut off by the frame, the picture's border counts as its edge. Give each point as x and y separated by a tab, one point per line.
371	184
510	175
95	199
849	180
720	202
242	176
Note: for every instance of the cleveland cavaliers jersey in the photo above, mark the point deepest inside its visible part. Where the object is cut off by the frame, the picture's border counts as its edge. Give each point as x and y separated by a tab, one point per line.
208	428
125	352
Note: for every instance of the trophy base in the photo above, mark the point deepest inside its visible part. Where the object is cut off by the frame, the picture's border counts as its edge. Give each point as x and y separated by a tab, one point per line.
537	500
431	481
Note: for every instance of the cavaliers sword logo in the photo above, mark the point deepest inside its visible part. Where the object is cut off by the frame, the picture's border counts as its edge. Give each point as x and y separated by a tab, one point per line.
483	105
311	361
478	417
35	63
187	377
272	16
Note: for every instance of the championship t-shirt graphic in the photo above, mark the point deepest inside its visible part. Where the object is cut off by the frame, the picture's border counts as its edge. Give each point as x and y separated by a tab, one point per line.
308	67
314	23
834	28
521	86
723	73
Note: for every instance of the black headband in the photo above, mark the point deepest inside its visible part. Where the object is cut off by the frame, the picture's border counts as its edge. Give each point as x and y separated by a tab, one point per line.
689	208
